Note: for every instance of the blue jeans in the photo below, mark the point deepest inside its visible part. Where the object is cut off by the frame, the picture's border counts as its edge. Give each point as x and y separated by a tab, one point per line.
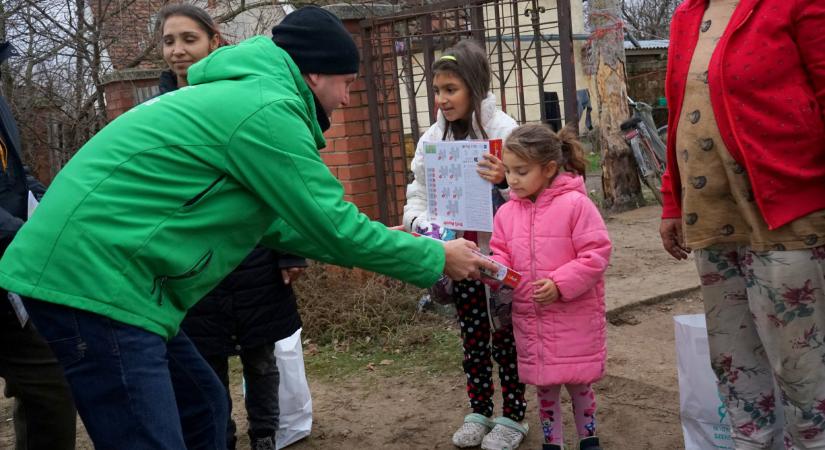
133	389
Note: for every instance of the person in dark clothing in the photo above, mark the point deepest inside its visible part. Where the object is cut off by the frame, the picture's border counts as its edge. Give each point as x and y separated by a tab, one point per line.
245	315
44	414
254	306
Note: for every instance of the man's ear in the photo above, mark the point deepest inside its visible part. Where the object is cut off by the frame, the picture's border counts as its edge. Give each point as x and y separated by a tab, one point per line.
312	79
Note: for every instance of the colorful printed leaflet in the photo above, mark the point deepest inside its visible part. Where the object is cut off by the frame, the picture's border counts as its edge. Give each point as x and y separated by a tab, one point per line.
458	198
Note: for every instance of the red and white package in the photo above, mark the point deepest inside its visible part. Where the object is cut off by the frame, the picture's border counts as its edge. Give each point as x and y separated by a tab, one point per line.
503	275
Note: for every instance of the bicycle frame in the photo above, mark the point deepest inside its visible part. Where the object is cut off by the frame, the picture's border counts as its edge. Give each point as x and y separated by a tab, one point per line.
648	149
639	147
644	112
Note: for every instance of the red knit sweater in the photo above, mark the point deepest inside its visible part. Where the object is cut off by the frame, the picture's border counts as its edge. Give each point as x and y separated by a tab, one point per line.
767	88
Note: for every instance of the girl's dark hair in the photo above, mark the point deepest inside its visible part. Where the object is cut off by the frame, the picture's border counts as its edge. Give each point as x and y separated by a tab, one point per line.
199	15
537	143
468	61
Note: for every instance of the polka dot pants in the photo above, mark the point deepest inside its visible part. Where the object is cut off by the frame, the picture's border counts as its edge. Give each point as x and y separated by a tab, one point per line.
471	305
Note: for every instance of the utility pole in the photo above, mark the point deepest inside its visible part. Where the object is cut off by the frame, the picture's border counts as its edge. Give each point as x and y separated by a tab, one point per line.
568	68
620	179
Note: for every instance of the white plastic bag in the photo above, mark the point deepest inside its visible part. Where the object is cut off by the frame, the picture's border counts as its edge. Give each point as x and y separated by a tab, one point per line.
294	399
704	416
32	204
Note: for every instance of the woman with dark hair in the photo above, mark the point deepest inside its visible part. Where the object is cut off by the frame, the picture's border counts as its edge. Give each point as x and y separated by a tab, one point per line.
187	35
255	305
467	110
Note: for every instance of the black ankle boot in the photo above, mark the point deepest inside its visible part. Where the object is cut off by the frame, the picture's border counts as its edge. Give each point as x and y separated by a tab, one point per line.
550	447
262	443
591	443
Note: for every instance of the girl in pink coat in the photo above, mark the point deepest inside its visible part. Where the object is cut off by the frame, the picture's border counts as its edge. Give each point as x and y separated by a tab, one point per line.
555	237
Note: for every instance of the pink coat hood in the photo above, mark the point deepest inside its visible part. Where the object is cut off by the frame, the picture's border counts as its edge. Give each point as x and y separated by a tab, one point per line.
560	236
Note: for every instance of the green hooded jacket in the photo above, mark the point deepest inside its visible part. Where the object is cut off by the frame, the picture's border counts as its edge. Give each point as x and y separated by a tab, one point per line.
166	200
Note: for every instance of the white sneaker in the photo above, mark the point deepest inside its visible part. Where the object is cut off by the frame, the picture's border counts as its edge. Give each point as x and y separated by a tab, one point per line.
472	431
506	435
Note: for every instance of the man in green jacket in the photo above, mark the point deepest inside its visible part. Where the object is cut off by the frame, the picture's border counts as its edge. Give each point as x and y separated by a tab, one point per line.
166	200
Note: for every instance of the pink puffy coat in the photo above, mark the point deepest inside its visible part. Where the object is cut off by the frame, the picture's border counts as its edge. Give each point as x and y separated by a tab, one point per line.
560	236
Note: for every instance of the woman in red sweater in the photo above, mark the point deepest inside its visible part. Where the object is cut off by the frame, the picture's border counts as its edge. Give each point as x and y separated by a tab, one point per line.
745	191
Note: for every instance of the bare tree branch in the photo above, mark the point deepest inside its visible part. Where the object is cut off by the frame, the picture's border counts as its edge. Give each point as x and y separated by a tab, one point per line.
649	18
230	15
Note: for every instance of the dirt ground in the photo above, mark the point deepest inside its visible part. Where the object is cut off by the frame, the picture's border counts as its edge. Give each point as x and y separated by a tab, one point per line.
638	400
639	267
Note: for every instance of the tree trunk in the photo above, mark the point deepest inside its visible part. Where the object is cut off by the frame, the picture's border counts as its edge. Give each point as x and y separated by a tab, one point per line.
78	136
620	179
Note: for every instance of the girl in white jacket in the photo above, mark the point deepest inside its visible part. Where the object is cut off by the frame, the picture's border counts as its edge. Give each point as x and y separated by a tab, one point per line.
467	110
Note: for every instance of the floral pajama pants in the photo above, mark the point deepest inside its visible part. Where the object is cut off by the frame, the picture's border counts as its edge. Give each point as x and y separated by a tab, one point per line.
471	305
766	323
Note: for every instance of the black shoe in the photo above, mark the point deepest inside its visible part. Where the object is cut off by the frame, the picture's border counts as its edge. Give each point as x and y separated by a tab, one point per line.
591	443
550	447
263	443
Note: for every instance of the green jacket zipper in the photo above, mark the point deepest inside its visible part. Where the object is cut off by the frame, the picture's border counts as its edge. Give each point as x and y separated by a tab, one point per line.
160	281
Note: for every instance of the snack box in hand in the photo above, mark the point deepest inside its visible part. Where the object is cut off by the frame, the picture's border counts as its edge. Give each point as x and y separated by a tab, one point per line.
503	275
507	276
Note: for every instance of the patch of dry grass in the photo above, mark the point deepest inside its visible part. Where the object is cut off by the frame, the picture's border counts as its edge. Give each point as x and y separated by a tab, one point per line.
345	307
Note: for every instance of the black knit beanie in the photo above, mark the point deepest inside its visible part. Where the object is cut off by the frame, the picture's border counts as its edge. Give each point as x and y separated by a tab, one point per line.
317	41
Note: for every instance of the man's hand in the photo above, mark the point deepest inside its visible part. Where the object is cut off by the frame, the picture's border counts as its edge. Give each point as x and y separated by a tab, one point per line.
491	169
672	238
291	274
461	260
545	291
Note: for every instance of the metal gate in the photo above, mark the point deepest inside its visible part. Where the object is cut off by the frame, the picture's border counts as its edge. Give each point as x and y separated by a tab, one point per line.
530	45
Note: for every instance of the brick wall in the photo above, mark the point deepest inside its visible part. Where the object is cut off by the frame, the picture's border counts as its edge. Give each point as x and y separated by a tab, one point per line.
127	32
126	88
349	151
119	99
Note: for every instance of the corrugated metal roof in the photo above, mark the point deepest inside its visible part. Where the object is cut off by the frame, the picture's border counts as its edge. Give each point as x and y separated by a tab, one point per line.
647	45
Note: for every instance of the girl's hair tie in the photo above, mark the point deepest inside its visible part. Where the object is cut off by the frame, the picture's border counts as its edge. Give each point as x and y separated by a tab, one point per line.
449	57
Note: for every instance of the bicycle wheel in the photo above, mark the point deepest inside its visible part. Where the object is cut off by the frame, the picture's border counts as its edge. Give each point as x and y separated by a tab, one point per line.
653	179
662	131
